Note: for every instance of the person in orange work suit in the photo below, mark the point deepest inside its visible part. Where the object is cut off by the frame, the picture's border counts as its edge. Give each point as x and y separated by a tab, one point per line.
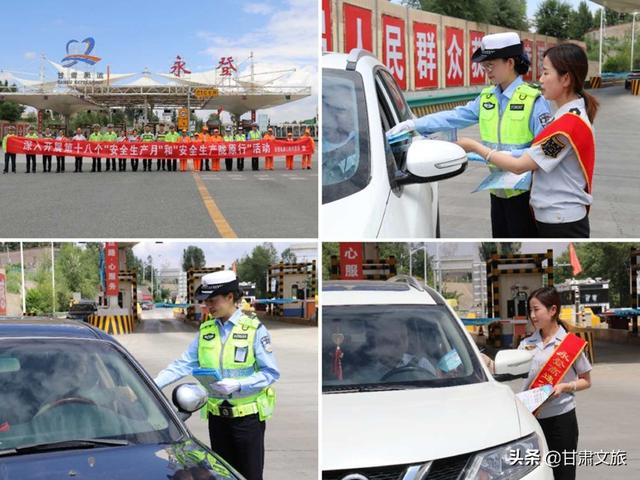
268	161
216	138
200	163
306	159
184	138
289	158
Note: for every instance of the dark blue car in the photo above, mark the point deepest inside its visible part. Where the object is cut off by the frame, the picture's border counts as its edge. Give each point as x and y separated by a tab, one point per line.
75	404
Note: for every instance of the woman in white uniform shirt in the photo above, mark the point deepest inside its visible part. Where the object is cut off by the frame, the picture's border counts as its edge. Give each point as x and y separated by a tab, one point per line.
557	416
562	156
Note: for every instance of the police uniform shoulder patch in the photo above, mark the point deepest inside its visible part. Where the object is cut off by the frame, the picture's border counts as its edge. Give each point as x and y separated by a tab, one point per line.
266	343
544	118
574	110
552	146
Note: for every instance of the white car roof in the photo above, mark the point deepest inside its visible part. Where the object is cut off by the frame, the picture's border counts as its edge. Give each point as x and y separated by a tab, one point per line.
340	60
376	293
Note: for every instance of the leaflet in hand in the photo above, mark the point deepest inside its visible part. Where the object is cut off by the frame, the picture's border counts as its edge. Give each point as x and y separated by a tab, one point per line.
206	377
398	137
500	179
534	398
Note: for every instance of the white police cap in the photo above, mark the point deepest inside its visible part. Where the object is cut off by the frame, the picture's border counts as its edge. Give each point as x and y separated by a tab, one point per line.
498	45
217	283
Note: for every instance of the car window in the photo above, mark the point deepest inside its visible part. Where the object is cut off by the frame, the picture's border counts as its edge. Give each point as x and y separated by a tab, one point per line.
401	108
345	135
53	391
368	347
396	154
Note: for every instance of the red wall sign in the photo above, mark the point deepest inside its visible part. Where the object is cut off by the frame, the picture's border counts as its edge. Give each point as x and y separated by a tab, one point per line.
394	48
357	28
351	261
528	51
454	56
477	75
111	268
425	58
326	26
540	48
3	293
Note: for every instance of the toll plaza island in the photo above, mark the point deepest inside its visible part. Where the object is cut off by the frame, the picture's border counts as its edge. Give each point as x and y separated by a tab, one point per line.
210	161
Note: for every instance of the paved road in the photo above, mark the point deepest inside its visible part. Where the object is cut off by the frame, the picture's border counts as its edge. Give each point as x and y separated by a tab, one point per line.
292	433
608	412
616	182
273	204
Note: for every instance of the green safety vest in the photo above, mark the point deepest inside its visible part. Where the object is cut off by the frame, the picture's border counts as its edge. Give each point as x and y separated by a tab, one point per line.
160	137
147	137
240	137
4	141
95	137
110	137
511	130
254	135
172	137
229	138
31	135
235	358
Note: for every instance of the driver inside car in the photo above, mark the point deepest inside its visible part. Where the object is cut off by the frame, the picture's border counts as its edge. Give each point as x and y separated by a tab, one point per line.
339	140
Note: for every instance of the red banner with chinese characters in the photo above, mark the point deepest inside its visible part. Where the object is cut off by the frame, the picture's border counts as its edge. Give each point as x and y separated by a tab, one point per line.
357	28
425	47
454	56
528	51
560	361
351	261
83	148
327	45
476	74
394	49
111	269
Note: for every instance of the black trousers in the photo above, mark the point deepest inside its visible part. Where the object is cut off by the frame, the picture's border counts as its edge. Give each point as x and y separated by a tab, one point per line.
112	162
78	164
578	229
96	164
46	163
228	164
9	157
240	164
134	164
255	163
60	161
512	217
146	164
161	162
561	433
172	165
31	163
204	165
122	164
240	441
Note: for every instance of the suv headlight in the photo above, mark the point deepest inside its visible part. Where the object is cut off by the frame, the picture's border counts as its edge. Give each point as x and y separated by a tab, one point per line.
497	463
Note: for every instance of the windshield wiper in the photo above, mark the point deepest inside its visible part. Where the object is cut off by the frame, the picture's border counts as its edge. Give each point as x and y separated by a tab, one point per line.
65	445
374	387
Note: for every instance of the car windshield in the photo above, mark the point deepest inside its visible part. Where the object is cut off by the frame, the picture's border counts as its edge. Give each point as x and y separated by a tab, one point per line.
345	135
60	390
371	347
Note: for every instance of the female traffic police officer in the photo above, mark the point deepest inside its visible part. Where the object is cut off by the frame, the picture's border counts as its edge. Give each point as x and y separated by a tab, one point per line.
562	156
557	416
239	347
510	114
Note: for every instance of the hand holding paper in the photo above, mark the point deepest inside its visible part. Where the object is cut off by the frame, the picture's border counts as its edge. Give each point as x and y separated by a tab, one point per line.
226	386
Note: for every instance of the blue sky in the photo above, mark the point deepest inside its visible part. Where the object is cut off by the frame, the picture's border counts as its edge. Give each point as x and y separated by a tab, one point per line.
131	35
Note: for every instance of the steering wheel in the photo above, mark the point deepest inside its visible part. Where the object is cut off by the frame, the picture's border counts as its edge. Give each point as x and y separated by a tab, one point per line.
402	369
64	401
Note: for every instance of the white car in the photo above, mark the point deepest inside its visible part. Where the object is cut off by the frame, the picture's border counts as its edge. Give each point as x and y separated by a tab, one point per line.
369	188
406	395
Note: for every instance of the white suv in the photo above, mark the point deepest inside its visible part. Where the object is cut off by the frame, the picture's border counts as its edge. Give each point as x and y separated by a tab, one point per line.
371	189
407	396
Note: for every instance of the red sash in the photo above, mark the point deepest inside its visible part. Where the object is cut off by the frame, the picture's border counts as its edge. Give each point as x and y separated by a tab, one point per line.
581	137
560	361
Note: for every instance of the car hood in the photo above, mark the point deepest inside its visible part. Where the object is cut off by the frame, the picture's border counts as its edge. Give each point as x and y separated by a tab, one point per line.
133	462
417	425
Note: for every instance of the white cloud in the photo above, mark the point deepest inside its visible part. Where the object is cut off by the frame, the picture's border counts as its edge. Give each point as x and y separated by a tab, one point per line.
257	8
30	55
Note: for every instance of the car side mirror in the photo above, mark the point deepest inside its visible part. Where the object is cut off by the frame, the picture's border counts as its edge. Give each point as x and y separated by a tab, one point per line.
432	161
188	398
511	364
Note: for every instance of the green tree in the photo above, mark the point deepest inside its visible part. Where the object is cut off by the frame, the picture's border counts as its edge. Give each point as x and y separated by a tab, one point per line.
486	249
609	261
253	267
552	18
611	17
287	256
509	13
580	21
329	249
192	257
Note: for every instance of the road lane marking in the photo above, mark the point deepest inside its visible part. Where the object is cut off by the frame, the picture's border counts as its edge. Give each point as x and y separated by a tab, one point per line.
214	212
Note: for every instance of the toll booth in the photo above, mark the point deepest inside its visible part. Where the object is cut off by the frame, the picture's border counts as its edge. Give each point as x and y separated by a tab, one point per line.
297	281
581	298
510	279
193	282
634	269
372	269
